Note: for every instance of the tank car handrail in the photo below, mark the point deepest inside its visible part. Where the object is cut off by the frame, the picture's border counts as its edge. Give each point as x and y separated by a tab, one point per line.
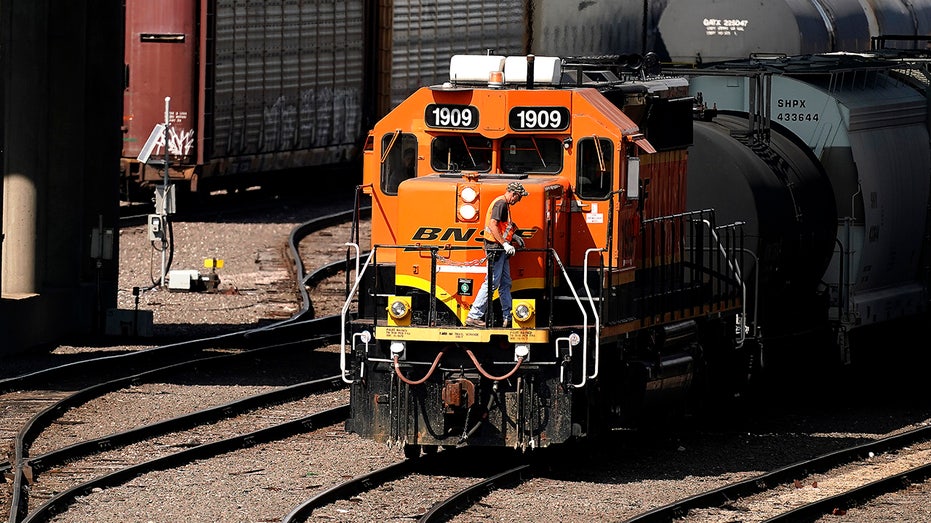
735	270
349	297
578	301
591	302
756	289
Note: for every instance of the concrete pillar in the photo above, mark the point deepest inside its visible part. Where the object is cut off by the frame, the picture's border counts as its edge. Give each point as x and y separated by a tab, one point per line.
19	236
25	120
60	142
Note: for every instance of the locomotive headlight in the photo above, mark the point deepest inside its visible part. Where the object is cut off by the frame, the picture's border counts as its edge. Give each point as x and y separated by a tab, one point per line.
467	212
468	195
468	204
399	311
523	311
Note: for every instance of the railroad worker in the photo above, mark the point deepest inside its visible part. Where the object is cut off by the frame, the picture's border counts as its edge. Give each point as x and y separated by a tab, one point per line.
408	163
399	171
499	230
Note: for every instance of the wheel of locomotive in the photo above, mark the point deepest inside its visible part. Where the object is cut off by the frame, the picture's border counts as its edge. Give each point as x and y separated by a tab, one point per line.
411	451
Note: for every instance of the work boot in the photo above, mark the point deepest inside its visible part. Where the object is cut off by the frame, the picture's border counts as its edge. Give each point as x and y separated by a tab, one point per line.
475	322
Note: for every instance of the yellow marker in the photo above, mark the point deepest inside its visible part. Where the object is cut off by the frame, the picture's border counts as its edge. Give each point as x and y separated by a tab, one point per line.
213	263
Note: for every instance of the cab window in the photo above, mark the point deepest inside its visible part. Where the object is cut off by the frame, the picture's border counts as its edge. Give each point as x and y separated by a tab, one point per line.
531	155
460	153
400	160
594	168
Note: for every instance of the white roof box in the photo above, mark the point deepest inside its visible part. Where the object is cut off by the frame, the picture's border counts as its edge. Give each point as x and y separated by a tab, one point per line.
474	68
547	70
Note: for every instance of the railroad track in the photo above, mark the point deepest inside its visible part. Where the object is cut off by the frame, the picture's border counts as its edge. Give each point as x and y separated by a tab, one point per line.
110	469
829	484
430	495
48	480
363	498
36	480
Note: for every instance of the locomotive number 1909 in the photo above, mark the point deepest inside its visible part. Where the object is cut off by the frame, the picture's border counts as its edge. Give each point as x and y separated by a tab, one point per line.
446	116
539	118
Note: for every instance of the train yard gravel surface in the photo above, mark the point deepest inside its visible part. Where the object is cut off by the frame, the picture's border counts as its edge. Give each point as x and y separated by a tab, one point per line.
623	475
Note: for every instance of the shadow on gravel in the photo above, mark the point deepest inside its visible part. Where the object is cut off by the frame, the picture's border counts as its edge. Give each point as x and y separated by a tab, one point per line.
811	407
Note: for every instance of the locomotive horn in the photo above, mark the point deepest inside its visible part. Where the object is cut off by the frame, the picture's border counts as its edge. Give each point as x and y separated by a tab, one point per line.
530	58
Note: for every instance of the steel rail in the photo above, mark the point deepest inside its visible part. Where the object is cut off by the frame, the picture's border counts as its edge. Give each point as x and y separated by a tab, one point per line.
846	500
52	507
763	482
354	486
27	434
453	505
60	456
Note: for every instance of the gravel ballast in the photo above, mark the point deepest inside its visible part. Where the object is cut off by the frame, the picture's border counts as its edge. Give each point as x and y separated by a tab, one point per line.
263	483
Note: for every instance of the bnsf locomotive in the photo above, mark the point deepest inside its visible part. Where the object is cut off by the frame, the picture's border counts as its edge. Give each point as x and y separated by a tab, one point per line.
622	297
680	237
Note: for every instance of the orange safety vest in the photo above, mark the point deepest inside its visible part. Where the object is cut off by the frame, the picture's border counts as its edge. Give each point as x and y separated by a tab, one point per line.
504	226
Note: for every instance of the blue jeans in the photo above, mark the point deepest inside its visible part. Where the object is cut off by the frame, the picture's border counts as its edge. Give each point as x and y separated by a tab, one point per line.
501	282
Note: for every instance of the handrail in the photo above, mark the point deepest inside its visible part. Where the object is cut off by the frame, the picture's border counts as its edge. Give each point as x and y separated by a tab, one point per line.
756	289
578	301
591	302
349	297
585	321
735	269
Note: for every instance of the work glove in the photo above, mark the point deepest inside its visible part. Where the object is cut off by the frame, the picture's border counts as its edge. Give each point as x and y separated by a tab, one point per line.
509	249
519	241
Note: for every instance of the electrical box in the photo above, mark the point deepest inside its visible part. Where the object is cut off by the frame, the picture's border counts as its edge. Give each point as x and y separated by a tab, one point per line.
156	227
183	280
102	244
165	199
122	322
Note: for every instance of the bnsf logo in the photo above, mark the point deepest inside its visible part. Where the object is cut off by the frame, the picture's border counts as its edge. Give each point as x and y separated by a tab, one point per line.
457	234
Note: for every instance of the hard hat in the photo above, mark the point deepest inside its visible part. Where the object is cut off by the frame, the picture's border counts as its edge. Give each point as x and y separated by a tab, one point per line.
518	188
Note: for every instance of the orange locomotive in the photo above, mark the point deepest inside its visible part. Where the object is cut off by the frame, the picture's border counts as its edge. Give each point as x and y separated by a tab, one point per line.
621	297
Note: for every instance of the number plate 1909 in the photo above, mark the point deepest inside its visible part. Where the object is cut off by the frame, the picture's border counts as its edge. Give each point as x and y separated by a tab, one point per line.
539	118
445	116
